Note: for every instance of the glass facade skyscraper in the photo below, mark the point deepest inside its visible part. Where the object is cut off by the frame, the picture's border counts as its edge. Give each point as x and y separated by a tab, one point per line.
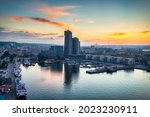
68	43
71	45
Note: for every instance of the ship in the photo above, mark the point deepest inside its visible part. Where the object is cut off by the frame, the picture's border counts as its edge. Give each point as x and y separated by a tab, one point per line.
21	90
97	70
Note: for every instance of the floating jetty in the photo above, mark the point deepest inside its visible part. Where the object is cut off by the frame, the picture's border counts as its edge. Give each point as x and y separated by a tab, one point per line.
109	69
142	67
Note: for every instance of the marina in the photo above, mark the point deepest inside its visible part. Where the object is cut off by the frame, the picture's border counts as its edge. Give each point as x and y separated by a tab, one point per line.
19	86
69	81
14	89
74	49
66	71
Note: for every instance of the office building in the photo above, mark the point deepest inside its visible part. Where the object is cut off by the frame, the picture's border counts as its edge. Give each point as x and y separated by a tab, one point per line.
75	46
71	45
56	51
68	43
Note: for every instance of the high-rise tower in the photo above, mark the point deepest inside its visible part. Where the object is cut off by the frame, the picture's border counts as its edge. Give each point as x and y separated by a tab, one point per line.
75	46
68	43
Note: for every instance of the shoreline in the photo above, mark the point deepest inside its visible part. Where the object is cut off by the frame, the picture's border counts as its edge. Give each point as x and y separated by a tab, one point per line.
11	94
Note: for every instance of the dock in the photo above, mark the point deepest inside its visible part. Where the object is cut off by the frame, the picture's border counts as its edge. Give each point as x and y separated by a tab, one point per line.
109	69
142	67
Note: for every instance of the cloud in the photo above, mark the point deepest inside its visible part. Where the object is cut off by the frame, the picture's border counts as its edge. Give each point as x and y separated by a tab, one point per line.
145	32
37	34
91	21
61	36
46	21
29	36
16	18
44	35
5	29
91	40
15	36
118	34
56	11
36	19
2	29
52	34
76	20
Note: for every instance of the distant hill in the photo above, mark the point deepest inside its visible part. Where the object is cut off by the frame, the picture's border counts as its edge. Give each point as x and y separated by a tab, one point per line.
24	44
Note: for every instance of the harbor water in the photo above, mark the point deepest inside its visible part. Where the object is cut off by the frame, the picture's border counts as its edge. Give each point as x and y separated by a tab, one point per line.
61	81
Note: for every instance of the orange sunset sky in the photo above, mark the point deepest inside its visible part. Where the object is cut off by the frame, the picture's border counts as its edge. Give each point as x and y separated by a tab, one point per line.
92	21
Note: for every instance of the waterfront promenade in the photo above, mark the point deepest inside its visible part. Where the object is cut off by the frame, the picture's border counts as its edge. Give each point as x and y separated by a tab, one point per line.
11	94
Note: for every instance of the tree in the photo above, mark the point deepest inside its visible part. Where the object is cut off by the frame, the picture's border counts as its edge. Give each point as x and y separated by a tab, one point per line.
12	57
6	54
4	64
42	56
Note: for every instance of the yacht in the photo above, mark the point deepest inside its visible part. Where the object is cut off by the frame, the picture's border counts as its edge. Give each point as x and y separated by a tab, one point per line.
97	70
17	73
26	63
21	90
17	81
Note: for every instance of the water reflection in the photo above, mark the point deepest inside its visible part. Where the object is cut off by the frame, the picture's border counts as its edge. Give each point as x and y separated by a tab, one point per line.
129	70
70	71
56	66
68	81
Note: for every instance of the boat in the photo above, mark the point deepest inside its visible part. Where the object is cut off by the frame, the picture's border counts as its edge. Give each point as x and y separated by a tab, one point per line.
21	90
17	81
26	63
97	70
32	64
86	66
17	73
111	69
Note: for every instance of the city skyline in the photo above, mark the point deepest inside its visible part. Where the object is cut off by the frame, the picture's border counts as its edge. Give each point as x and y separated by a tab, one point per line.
93	22
71	44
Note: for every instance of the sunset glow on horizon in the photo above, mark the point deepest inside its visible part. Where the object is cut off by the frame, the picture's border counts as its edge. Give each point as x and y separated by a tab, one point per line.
92	21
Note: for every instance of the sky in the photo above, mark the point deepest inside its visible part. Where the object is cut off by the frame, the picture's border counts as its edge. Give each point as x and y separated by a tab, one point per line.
92	21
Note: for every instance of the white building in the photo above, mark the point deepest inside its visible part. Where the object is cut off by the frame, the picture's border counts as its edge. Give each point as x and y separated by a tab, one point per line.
101	57
131	61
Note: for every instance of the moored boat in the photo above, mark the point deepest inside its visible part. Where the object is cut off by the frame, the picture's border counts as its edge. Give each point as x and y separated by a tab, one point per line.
21	90
97	70
17	73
